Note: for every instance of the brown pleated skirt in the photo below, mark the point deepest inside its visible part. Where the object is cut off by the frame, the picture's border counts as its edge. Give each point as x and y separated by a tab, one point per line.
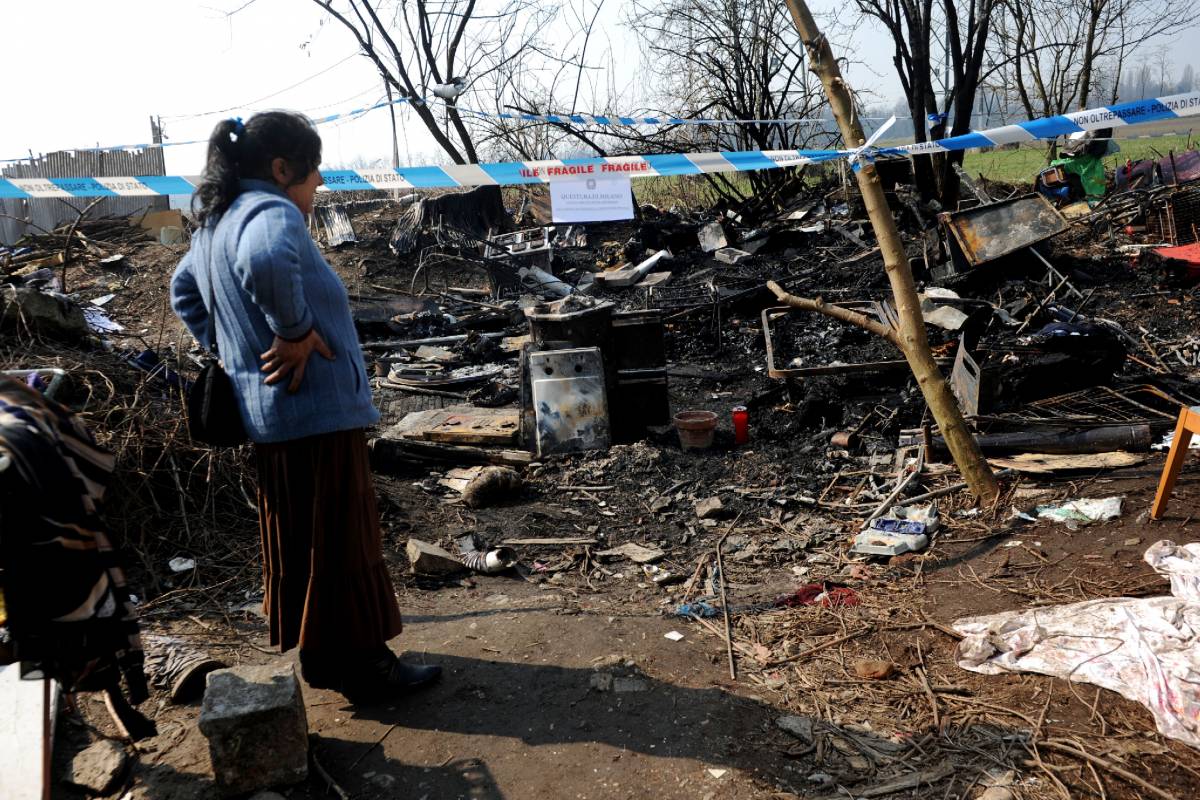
326	585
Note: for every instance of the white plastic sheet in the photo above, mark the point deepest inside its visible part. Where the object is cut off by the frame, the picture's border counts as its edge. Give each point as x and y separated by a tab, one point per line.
1146	649
1083	510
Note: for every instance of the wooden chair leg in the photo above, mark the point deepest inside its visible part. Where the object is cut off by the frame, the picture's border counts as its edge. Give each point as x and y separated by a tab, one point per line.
1175	458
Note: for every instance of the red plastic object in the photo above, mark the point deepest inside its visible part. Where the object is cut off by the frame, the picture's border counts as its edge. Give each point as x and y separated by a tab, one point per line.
741	425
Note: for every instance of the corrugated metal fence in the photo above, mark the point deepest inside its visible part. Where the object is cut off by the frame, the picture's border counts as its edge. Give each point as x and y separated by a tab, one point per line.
48	213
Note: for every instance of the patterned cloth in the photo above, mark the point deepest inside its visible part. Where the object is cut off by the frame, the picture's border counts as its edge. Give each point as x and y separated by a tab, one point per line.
69	614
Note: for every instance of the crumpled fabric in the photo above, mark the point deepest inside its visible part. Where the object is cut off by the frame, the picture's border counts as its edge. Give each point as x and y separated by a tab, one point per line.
829	595
1145	649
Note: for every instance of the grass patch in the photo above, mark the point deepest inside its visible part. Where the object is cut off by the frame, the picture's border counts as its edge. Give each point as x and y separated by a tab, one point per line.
1023	164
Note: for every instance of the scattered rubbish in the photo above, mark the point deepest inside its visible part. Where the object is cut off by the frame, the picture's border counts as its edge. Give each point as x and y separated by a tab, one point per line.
829	595
1145	649
799	726
171	234
881	543
569	400
629	276
178	667
697	609
636	553
730	255
429	559
51	315
99	322
712	237
717	773
660	576
1083	511
696	429
674	636
180	564
490	562
541	281
490	485
709	508
873	669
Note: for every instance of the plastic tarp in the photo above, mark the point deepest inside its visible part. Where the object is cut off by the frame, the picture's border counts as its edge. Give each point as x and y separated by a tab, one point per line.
1146	649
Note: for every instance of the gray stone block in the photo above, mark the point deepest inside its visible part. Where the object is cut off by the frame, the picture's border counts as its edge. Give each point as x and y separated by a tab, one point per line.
429	559
96	769
710	508
257	731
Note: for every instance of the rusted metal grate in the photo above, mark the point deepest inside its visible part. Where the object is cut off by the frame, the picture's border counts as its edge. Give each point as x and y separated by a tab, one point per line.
1175	218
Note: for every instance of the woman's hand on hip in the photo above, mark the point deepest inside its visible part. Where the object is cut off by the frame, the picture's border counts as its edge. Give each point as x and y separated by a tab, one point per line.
292	357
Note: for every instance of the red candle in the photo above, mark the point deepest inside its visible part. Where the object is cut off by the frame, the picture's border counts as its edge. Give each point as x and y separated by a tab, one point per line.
741	425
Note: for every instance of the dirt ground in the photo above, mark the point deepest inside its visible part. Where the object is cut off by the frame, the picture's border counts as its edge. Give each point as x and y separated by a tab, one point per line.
560	681
523	711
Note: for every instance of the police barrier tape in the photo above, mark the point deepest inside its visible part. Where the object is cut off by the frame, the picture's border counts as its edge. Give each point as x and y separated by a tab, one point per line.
531	172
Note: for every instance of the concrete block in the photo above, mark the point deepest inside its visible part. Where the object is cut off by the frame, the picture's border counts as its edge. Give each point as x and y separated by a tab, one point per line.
429	559
257	731
730	255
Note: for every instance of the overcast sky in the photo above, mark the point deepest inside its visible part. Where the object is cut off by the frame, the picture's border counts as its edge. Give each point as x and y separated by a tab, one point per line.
80	73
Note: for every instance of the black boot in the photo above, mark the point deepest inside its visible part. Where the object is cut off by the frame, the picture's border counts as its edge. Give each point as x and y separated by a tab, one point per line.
365	676
378	675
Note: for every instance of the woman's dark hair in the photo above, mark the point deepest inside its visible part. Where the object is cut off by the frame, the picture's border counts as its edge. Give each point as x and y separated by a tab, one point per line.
238	151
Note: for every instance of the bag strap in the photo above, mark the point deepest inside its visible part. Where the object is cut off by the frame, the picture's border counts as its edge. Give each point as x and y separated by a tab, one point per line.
212	305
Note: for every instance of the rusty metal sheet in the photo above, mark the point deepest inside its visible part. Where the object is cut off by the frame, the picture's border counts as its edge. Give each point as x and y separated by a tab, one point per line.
988	232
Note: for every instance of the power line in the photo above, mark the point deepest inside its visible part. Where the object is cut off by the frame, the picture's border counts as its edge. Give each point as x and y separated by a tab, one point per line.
183	117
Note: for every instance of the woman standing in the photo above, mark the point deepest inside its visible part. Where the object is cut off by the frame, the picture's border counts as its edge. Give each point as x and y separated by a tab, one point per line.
254	288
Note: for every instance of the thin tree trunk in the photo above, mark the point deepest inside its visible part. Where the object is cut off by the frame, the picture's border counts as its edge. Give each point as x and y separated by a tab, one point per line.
913	342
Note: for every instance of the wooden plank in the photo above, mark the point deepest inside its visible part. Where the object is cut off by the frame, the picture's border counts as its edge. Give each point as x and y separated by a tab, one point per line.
460	425
413	424
561	540
457	479
483	426
1045	463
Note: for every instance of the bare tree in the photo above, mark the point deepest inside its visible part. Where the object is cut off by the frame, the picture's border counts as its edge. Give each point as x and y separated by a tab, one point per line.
909	334
960	29
731	59
1064	51
419	44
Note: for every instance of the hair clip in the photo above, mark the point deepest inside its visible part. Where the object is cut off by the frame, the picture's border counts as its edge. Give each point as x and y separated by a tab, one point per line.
238	129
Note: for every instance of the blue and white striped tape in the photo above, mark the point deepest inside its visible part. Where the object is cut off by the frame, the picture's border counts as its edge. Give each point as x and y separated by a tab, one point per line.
447	176
1136	112
533	172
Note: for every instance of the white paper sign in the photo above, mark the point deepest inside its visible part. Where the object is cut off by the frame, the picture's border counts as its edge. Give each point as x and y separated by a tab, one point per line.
591	200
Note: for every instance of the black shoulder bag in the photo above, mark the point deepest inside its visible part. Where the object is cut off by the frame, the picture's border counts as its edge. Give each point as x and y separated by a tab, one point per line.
213	415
